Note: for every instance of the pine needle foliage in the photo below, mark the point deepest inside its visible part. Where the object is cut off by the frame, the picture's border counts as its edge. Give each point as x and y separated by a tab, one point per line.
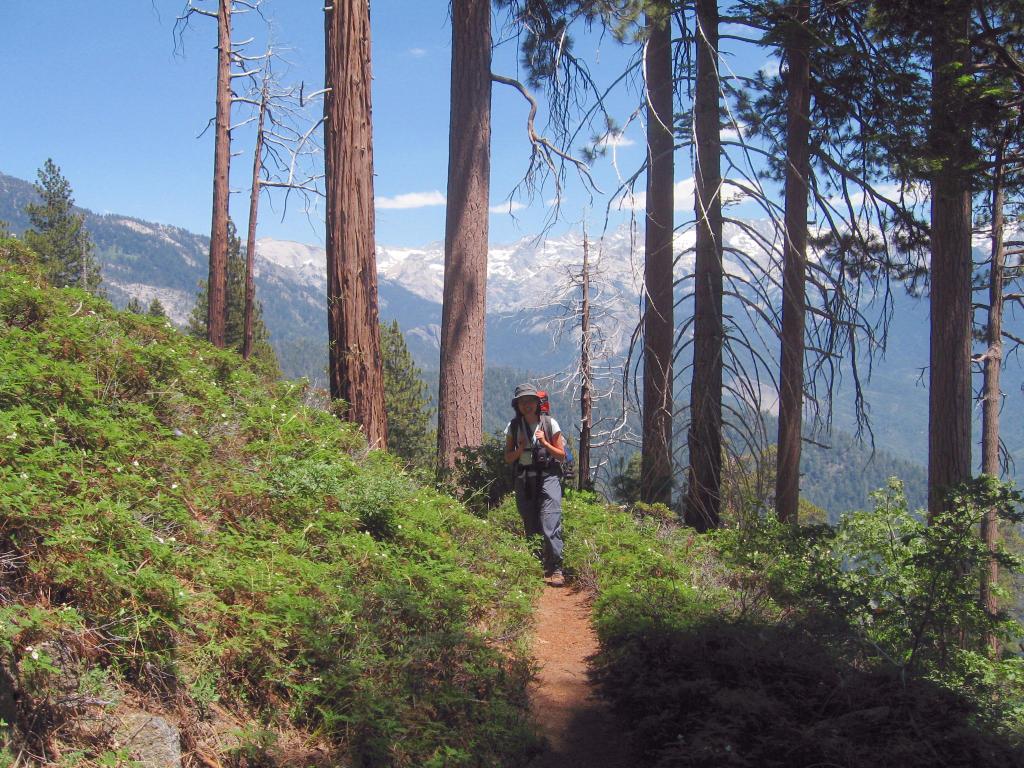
58	234
180	534
234	308
406	400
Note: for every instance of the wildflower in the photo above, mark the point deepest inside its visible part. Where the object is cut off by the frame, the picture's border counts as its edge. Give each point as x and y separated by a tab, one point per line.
35	655
135	463
12	436
173	486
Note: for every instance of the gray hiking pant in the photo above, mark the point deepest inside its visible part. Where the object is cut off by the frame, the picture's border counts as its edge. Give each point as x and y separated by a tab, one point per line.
539	499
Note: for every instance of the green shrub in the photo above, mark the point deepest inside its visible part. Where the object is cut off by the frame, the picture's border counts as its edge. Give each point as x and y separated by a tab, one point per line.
178	527
816	646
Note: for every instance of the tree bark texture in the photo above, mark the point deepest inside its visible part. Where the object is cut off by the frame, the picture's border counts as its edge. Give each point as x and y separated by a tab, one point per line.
992	394
353	327
658	325
949	379
586	375
704	487
250	240
216	309
791	358
461	386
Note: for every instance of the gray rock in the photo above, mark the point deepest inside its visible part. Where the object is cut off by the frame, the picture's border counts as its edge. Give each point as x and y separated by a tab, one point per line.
153	741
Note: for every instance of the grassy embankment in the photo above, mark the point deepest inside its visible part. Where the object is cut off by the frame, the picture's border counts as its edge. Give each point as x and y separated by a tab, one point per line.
182	537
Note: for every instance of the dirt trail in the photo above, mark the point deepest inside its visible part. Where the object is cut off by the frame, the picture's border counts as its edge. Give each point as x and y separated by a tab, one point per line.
578	725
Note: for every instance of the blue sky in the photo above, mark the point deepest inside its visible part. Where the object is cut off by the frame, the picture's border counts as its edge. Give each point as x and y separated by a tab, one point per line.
102	90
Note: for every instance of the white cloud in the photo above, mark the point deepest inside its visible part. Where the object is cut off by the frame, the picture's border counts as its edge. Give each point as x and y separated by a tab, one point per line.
615	139
410	200
417	53
682	197
770	68
733	132
509	206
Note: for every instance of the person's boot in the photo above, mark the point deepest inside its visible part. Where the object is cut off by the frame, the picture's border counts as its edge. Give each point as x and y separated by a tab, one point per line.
557	578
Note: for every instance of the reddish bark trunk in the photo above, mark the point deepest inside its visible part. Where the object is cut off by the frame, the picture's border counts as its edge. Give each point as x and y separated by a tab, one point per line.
791	359
658	325
949	379
353	326
461	385
216	310
704	489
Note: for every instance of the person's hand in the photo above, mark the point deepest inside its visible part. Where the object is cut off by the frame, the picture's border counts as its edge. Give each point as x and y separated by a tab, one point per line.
539	434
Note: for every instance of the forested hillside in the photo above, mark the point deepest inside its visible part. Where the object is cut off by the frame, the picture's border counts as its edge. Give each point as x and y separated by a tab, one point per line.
187	544
203	567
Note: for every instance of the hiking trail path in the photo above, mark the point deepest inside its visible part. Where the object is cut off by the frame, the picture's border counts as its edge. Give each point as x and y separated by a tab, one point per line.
563	702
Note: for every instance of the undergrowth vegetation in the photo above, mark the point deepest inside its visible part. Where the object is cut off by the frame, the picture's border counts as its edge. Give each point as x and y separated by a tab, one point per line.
860	645
180	536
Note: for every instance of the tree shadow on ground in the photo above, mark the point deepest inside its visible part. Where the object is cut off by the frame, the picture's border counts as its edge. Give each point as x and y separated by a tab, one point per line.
744	693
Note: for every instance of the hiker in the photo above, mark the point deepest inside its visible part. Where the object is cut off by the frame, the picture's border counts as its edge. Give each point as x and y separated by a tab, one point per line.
535	450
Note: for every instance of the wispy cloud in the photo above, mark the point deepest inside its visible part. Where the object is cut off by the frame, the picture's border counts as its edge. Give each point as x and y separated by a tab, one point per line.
682	197
615	139
509	206
770	68
417	53
410	200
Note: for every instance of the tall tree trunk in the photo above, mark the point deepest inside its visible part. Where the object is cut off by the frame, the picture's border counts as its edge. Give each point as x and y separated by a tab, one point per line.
658	326
586	374
791	359
461	386
992	400
353	328
250	241
216	309
949	379
704	489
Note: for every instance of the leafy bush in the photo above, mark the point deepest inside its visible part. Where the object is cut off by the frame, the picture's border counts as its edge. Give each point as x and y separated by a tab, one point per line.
203	540
768	646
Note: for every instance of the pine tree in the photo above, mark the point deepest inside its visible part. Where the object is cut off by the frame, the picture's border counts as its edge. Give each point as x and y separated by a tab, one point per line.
134	306
234	310
465	243
156	309
406	401
58	234
353	327
658	323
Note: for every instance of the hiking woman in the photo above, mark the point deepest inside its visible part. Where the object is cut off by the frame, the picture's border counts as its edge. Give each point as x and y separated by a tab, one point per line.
538	488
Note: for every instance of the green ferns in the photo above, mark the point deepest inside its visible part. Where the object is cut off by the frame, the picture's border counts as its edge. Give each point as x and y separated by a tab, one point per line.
854	646
177	530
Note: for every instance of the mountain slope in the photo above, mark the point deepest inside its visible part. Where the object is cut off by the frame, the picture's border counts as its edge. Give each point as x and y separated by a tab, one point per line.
186	544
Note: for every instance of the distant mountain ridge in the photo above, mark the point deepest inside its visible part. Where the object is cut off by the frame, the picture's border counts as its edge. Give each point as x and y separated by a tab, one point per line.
148	260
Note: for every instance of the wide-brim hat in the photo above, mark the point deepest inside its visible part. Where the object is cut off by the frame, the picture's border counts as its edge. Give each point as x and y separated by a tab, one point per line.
524	390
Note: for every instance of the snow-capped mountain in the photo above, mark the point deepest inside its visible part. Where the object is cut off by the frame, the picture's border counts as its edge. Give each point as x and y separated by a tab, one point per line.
529	281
